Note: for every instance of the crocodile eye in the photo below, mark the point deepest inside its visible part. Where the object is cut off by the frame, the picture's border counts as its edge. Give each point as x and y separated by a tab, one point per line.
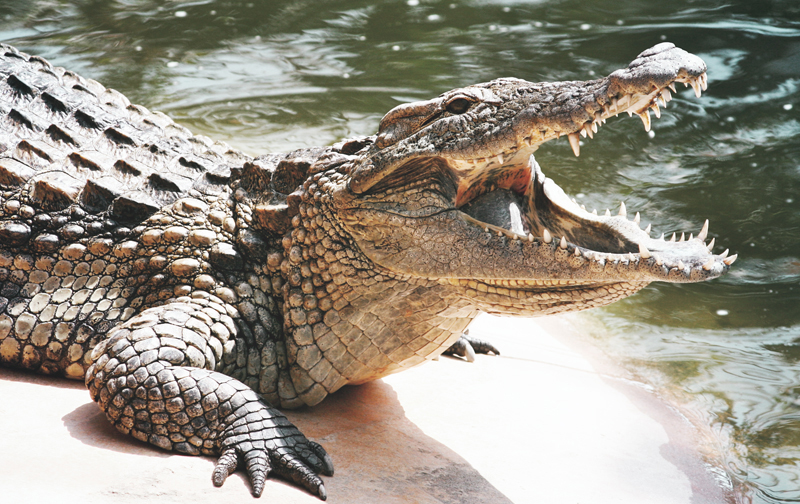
458	106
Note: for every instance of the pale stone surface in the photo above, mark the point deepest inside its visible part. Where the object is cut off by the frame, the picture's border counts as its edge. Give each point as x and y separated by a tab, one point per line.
539	424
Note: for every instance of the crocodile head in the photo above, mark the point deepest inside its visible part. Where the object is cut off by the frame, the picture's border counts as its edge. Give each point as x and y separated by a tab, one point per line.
449	191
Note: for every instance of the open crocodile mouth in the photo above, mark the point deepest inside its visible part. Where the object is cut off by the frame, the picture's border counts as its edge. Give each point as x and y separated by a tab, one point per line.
479	142
510	197
543	212
544	215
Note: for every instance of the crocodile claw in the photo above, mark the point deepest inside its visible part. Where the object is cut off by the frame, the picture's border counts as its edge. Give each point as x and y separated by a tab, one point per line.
267	442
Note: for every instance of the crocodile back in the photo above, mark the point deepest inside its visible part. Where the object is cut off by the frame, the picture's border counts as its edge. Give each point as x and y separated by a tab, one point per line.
66	140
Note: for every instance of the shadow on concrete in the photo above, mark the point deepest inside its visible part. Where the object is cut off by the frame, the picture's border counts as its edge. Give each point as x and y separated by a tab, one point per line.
21	375
378	453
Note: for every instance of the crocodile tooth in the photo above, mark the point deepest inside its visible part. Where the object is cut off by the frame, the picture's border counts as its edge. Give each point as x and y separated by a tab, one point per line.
704	81
691	235
500	158
530	237
648	229
583	207
630	113
683	237
656	110
594	211
645	117
594	127
724	254
711	244
696	86
546	236
499	233
637	218
673	237
608	212
662	101
658	259
662	237
681	266
563	243
729	260
710	264
672	87
577	252
703	232
515	236
583	131
644	252
623	212
574	142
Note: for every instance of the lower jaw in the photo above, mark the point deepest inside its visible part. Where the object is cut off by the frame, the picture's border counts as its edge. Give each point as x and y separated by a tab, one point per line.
534	303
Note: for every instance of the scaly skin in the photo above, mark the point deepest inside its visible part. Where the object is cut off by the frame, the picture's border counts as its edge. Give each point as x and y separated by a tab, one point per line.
195	288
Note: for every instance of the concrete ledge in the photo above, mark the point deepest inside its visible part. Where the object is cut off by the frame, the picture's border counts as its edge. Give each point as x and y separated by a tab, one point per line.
538	424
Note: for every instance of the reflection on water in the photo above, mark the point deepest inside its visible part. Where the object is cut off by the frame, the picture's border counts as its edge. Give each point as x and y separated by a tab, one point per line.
276	75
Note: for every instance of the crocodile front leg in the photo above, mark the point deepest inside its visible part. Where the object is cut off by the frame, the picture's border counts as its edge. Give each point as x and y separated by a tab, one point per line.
152	376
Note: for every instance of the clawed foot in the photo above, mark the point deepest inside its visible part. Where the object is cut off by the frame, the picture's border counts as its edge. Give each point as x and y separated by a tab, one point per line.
467	347
267	442
141	378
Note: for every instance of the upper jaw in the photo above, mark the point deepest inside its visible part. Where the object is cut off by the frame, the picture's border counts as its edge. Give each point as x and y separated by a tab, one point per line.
578	109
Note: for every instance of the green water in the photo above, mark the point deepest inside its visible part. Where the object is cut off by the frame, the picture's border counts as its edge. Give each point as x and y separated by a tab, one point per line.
272	76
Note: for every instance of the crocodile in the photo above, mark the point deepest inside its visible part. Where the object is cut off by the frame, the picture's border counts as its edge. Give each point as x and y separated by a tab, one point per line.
197	289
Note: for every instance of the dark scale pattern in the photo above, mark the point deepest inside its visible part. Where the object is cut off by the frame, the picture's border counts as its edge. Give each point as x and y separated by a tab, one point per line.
94	147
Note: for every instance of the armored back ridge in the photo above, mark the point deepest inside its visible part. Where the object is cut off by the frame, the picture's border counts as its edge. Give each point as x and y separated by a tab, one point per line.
195	288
